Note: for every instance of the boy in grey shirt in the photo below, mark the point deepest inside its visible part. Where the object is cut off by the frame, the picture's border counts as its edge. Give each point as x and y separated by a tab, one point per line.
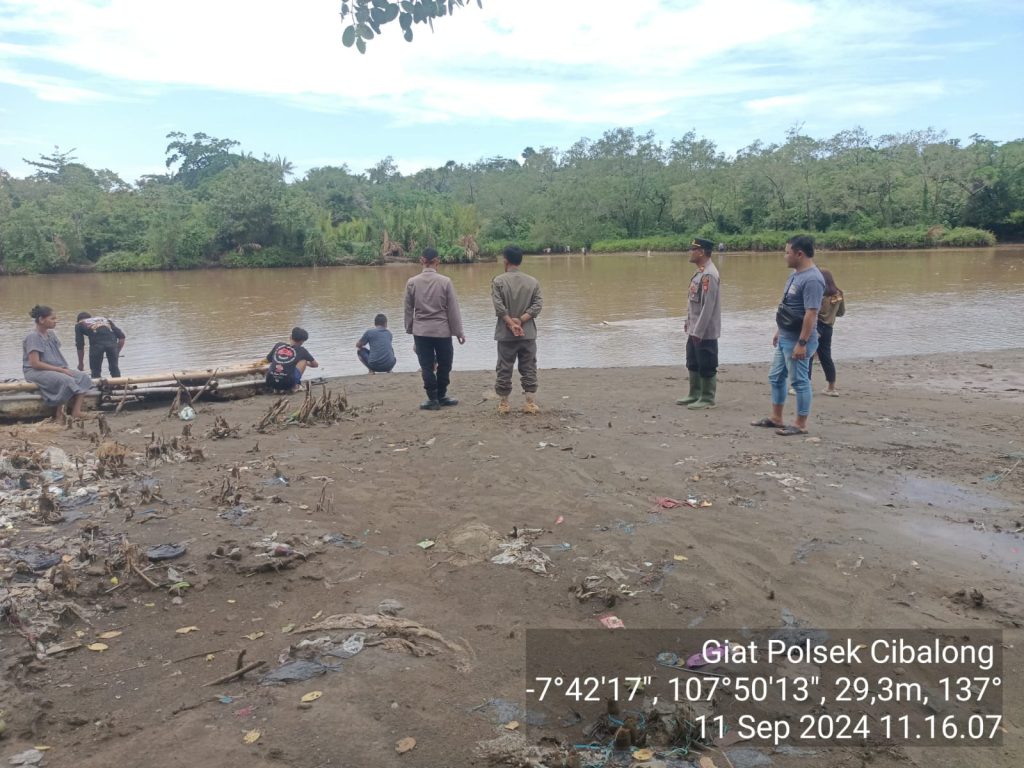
375	349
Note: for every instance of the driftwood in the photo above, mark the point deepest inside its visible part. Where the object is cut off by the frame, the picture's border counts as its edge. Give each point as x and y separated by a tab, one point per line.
145	578
236	674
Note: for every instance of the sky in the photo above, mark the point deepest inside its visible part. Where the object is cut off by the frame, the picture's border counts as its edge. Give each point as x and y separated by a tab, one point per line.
111	78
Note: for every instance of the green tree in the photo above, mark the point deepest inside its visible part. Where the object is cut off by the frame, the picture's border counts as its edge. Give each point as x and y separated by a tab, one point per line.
198	159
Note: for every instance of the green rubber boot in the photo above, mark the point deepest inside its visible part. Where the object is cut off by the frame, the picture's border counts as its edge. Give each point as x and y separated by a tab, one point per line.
694	395
707	394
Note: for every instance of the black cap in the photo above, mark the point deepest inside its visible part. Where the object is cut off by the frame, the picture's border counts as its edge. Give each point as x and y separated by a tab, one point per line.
700	242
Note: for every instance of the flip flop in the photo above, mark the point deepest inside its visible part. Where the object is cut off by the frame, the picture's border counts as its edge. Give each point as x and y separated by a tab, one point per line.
766	422
790	430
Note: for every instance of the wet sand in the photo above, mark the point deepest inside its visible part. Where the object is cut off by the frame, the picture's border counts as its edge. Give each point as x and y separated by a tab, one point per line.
901	497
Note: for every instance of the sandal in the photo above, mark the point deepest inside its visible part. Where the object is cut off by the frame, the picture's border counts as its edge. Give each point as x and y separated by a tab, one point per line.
790	430
766	422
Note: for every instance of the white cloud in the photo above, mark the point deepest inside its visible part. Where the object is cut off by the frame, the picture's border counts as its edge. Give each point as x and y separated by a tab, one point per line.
48	88
594	62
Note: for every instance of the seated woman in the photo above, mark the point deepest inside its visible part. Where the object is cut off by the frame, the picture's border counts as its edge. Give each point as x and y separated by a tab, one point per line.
45	366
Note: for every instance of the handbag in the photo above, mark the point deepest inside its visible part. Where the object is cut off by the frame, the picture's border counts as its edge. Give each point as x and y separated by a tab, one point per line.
787	318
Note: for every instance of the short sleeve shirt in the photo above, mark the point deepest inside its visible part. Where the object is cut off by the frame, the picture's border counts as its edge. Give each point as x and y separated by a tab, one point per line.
300	353
804	290
379	340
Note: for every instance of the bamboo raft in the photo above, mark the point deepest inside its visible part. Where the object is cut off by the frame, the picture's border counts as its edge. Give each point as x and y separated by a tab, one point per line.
19	400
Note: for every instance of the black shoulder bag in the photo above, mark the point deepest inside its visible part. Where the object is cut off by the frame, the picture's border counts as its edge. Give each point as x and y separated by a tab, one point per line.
787	318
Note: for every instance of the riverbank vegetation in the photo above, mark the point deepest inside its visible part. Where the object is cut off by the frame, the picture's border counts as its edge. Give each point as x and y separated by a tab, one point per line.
220	206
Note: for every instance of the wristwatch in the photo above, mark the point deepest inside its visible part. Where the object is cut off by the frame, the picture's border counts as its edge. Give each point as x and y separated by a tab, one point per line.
802	342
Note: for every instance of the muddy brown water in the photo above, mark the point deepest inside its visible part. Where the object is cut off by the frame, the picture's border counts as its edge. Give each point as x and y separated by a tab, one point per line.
600	311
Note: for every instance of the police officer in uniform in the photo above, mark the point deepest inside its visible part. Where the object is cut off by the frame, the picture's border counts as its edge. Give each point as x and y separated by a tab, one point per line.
703	327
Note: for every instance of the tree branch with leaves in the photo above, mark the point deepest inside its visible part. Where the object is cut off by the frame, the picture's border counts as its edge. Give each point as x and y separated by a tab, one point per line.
365	18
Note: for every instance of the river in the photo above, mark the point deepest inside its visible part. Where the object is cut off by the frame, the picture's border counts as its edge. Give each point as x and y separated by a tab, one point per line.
599	310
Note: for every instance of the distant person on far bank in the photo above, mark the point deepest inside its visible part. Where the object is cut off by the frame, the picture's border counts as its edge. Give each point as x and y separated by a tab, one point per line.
43	364
375	349
703	327
288	361
517	302
432	317
796	336
833	305
105	340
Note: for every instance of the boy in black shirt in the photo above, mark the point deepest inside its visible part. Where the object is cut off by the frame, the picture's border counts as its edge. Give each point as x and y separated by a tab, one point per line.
287	362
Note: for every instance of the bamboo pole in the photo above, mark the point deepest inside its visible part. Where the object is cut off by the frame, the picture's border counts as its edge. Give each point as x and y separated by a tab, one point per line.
121	382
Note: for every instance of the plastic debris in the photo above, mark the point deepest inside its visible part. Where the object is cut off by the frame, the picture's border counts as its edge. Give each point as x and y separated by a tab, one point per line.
28	757
343	540
254	635
426	544
296	671
611	622
188	413
354	644
387	607
712	654
311	696
36	559
521	552
251	737
100	647
405	745
165	552
185	630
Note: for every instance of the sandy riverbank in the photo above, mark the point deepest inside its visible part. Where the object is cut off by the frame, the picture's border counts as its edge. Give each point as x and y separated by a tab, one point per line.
900	500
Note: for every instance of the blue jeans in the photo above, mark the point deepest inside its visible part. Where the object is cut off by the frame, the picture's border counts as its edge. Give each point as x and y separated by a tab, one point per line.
785	367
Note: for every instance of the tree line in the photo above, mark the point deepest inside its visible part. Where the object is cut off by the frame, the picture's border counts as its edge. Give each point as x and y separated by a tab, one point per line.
220	206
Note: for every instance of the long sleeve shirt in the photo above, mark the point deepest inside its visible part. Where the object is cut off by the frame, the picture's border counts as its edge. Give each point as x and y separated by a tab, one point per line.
431	306
704	310
516	293
97	329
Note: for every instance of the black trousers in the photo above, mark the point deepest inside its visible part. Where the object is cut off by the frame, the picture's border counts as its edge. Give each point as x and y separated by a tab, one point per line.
97	351
702	358
825	353
431	351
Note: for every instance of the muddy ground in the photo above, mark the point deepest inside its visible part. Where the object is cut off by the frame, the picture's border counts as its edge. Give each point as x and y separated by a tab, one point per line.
907	492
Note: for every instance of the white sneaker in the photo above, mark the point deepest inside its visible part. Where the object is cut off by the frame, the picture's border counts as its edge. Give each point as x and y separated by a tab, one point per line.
830	392
792	391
